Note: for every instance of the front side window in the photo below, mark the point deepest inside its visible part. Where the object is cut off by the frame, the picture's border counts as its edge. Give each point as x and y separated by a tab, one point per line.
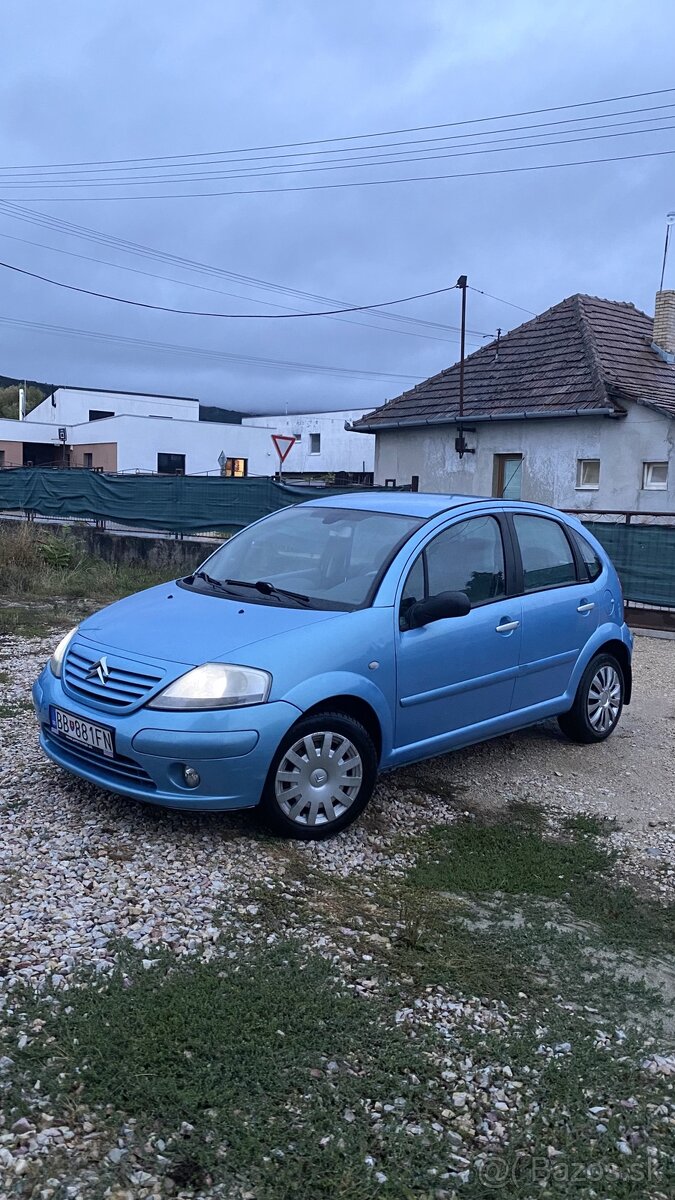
413	591
468	557
546	554
330	557
655	476
588	474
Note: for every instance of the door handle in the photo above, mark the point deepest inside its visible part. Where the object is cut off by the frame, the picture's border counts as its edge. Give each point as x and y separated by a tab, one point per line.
586	606
507	626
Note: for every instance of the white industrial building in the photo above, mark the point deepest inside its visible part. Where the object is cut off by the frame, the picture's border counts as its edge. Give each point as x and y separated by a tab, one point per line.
136	432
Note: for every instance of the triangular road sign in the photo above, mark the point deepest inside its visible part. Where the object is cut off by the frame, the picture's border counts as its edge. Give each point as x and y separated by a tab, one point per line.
283	444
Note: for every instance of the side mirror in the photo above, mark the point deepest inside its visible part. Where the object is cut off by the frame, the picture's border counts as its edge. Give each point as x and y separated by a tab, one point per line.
438	608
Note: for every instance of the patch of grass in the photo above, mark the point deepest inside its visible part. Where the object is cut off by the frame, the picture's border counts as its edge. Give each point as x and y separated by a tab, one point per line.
27	620
276	1068
38	563
261	1057
481	859
590	825
505	857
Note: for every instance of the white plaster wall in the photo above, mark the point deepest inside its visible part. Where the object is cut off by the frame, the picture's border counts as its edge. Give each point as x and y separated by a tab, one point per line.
550	449
21	431
72	406
341	450
140	439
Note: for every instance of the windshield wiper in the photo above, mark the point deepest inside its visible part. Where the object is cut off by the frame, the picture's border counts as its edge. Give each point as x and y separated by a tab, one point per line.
207	579
268	589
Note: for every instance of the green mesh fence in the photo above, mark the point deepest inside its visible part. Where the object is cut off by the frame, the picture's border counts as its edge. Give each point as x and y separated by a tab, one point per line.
644	556
174	503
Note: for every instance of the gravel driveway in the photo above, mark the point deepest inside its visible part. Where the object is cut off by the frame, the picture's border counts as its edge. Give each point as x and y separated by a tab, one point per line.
79	867
84	875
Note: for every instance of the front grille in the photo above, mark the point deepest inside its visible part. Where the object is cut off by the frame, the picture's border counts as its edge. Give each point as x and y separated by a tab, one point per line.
125	686
117	768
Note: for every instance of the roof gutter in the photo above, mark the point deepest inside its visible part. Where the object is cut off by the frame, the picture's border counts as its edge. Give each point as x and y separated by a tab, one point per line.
488	418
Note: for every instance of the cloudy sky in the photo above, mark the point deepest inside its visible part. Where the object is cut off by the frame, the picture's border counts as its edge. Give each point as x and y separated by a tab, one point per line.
97	83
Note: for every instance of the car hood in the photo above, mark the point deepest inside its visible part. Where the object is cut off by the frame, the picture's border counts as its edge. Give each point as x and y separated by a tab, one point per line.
175	624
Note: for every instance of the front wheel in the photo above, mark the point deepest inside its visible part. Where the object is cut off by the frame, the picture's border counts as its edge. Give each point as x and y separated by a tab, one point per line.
598	702
321	777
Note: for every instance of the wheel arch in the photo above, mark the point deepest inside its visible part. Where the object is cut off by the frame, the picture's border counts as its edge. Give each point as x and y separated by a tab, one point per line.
621	652
351	706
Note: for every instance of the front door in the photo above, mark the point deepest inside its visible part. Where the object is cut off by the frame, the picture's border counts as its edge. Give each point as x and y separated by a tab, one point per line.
457	672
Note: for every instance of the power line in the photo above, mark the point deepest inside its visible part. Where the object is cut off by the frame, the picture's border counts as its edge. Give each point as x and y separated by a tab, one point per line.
321	187
311	168
359	136
48	221
187	312
218	291
500	301
216	355
45	173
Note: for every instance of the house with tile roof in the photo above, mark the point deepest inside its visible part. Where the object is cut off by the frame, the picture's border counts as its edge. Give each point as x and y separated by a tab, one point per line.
575	408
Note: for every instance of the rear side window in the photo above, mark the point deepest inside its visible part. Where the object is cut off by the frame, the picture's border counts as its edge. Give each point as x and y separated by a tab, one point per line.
593	564
468	557
546	553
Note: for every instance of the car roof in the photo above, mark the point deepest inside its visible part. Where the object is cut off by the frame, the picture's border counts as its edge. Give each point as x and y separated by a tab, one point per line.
423	505
410	504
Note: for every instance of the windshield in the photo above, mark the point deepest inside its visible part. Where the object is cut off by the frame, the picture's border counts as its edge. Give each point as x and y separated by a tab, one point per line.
317	557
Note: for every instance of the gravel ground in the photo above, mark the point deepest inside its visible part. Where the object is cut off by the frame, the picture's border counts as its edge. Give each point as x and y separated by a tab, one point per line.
81	869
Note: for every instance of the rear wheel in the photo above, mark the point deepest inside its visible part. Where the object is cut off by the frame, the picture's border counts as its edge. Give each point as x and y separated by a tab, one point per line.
598	702
321	778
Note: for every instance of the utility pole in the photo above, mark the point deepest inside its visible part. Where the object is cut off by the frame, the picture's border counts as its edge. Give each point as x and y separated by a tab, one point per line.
460	441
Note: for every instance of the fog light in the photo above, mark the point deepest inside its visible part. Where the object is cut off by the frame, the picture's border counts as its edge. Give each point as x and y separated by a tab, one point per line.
190	776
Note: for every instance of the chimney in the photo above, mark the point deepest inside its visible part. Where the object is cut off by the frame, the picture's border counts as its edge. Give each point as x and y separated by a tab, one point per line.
664	325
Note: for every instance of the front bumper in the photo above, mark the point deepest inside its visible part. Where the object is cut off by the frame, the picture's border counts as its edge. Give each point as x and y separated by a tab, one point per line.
231	749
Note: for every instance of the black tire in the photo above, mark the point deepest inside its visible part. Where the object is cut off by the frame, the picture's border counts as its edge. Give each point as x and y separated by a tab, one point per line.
357	766
589	720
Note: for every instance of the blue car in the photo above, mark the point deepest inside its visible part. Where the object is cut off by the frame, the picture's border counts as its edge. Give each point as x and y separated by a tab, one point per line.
336	639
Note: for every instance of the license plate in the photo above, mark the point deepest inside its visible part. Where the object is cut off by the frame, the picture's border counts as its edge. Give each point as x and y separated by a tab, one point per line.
85	733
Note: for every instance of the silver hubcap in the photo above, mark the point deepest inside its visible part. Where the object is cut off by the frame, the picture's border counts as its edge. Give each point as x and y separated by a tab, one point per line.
604	699
318	778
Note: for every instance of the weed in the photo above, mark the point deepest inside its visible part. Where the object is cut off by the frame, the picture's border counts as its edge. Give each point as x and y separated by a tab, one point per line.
505	858
36	564
590	825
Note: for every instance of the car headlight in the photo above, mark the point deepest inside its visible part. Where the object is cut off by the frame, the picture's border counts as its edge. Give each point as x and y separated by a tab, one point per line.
215	685
56	660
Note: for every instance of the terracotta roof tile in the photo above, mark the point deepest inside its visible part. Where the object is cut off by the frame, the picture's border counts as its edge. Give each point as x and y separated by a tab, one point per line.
582	355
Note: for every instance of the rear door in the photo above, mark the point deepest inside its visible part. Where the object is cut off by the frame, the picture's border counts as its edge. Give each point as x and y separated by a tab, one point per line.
560	607
458	672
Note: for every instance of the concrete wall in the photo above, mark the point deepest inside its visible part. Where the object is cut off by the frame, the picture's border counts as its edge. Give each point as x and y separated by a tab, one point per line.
550	450
340	450
72	406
